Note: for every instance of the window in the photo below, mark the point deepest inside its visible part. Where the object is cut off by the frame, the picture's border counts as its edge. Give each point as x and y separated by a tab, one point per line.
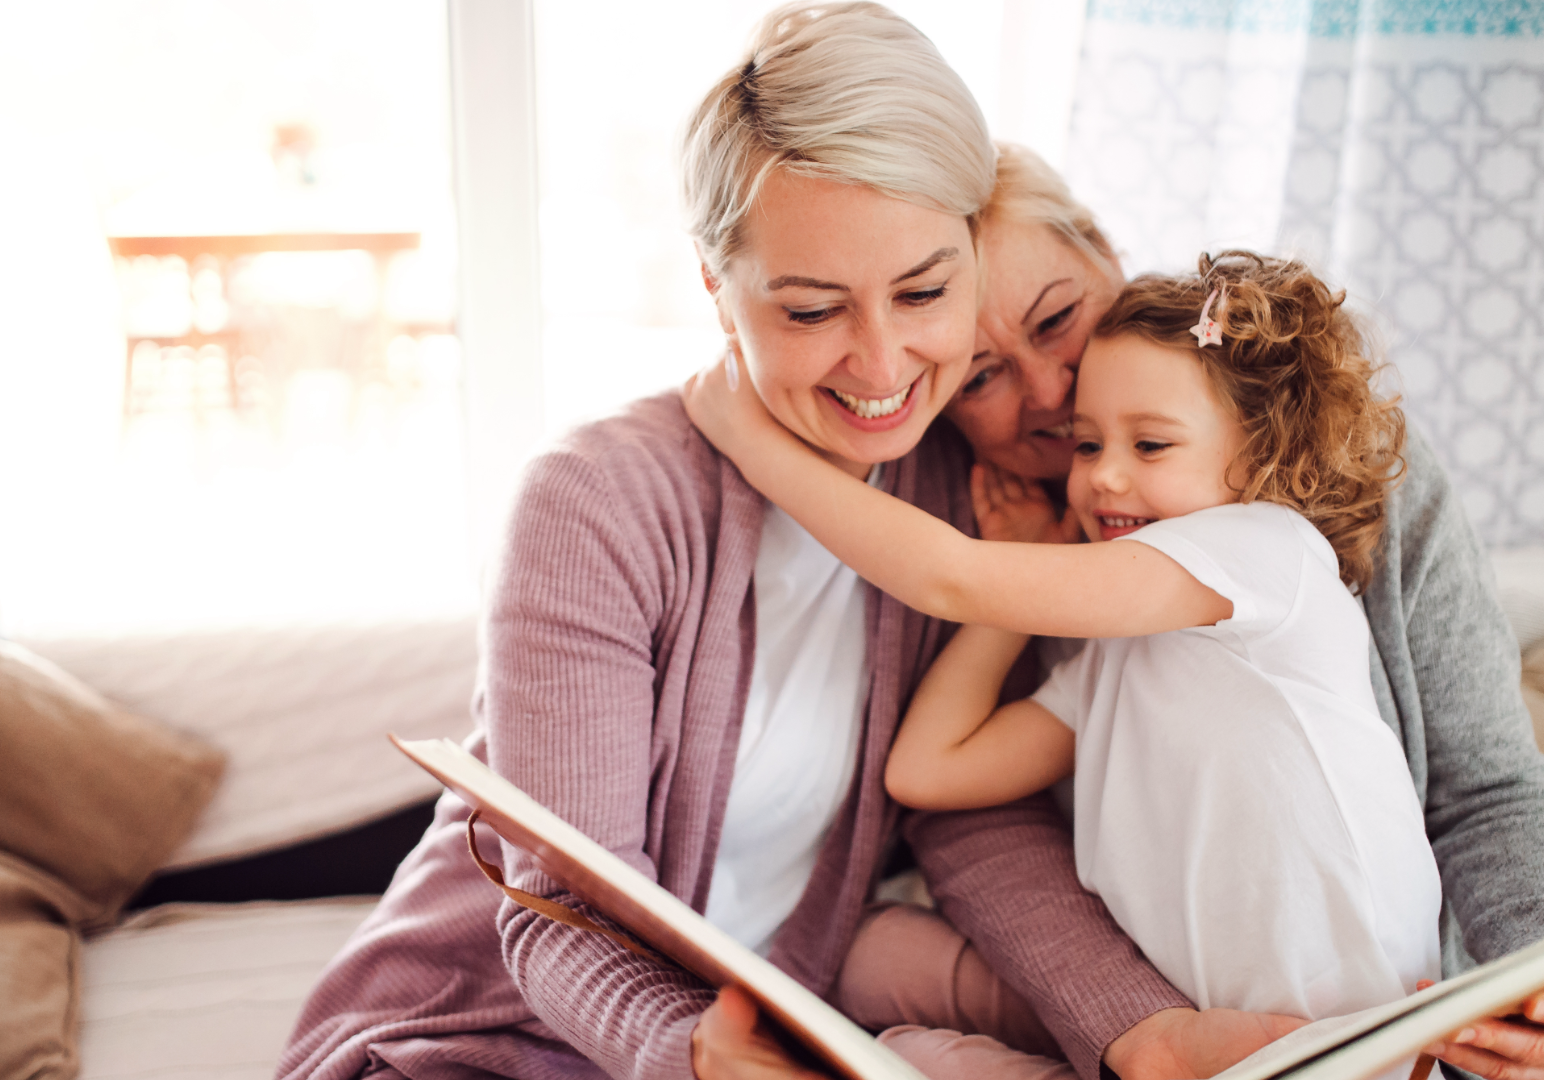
231	387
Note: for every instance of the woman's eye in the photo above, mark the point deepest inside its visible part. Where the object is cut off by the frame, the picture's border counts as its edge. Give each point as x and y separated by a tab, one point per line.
978	381
922	296
1152	446
807	317
1052	322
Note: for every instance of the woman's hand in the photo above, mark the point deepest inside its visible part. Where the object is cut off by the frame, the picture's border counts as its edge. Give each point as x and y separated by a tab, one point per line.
1009	507
1506	1047
731	1043
1178	1044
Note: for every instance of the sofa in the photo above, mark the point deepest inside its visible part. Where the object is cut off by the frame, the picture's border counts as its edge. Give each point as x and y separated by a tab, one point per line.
204	974
206	969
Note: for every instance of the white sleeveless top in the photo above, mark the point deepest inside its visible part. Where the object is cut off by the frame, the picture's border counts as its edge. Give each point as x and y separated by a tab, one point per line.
799	742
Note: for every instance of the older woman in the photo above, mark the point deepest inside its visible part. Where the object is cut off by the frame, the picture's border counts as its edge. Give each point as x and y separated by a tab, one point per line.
685	675
1445	664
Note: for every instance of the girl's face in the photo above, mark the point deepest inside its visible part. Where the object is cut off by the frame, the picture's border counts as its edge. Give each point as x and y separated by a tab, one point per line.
1043	299
1153	438
853	313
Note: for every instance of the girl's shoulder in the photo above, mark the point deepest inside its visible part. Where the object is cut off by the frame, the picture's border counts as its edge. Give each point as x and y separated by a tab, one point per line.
1257	555
1256	531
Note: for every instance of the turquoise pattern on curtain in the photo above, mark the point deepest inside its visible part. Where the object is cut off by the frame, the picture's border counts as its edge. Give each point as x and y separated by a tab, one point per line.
1398	146
1333	18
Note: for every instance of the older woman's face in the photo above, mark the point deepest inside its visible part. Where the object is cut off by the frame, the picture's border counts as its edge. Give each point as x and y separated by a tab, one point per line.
854	313
1043	299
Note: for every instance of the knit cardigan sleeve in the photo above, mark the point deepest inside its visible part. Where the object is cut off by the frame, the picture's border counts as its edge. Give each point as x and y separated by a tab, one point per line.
570	708
1005	876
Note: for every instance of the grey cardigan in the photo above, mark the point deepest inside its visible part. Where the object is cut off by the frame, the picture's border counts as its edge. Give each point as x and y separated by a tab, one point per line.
1445	671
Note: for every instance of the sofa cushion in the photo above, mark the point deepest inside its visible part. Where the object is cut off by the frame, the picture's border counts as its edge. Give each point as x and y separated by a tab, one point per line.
188	991
93	795
303	713
1533	689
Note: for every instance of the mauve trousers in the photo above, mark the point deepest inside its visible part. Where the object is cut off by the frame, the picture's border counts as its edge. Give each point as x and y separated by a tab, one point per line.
918	981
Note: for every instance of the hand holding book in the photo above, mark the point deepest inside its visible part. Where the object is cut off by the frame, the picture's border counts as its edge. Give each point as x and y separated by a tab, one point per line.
1506	1046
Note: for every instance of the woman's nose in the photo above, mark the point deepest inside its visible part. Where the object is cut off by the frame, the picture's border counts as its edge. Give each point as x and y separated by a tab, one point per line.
1046	382
879	358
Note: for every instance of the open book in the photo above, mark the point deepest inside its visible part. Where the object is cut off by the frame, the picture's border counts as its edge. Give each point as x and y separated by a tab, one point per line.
1345	1048
654	916
1366	1043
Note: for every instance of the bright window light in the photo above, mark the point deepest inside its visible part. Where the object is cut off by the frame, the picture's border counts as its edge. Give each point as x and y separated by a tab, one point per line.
229	381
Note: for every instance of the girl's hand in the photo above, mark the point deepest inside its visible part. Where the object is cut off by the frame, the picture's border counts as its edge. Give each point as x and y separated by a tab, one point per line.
725	407
730	1043
1506	1047
1009	507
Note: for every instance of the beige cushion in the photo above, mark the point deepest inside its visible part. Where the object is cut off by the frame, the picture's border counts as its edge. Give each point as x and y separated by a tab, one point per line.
39	973
93	795
1533	689
93	800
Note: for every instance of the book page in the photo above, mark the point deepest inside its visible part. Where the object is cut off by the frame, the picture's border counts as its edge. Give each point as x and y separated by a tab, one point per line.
1363	1044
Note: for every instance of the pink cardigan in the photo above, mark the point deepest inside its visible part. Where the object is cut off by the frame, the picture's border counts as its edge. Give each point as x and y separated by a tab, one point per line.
618	653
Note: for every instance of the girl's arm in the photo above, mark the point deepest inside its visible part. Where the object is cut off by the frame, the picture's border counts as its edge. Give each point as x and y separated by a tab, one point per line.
956	750
1088	590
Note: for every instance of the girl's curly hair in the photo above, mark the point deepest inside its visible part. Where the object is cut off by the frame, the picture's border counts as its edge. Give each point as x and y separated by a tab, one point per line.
1295	367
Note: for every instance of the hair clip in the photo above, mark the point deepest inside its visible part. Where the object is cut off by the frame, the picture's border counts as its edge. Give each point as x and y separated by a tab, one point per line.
1207	331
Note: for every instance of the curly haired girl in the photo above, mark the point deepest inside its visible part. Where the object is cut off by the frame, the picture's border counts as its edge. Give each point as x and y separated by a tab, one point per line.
1240	806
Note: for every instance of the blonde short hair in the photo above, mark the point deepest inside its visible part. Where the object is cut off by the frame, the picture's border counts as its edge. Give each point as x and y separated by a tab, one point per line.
849	92
1030	192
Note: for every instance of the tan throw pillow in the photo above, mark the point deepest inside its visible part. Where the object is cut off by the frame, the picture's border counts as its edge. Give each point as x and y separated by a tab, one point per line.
93	800
93	795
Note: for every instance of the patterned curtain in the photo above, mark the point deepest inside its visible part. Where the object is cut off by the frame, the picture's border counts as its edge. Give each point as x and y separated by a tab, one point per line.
1396	144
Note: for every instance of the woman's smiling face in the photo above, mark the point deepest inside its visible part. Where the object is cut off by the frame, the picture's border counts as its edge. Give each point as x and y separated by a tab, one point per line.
853	312
1043	299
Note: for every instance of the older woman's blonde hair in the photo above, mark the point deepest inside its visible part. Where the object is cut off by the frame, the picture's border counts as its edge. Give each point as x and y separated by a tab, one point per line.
1029	192
849	92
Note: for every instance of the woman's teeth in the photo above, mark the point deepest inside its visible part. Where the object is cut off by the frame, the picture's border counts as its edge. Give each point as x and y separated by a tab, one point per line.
1124	522
872	408
1060	431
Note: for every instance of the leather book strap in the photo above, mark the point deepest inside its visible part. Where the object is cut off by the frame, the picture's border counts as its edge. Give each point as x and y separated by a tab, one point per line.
548	908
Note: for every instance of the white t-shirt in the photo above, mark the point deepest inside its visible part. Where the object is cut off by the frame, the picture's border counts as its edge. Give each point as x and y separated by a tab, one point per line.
799	743
1241	807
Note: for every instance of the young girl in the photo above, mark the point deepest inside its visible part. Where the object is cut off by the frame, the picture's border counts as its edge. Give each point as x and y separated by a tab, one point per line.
1240	806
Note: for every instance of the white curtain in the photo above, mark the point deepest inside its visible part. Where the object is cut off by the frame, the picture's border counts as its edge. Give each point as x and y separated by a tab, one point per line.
1397	144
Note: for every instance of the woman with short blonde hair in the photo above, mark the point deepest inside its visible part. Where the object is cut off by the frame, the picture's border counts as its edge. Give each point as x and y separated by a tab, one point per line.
682	672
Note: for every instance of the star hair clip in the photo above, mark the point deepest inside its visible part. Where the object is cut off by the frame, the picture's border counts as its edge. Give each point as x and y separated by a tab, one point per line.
1208	331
